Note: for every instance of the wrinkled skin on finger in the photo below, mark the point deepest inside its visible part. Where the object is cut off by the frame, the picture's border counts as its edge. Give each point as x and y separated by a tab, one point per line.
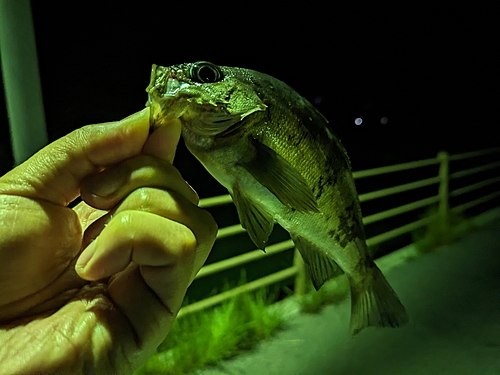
138	248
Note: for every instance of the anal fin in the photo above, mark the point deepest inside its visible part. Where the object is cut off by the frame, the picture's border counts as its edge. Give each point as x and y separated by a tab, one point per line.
319	265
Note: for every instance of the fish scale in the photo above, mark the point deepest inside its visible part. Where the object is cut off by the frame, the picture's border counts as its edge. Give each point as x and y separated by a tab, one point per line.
281	163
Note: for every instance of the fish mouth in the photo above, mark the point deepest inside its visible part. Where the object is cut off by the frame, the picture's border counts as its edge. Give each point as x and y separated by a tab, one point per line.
163	99
163	83
172	87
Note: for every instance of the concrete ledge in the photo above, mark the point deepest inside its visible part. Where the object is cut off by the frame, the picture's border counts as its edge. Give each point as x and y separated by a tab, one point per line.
451	296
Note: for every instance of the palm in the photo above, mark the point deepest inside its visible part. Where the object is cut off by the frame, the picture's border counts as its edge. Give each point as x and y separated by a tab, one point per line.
42	257
61	306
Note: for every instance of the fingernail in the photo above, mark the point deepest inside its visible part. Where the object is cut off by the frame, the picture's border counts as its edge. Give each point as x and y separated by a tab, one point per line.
108	182
86	255
196	200
108	220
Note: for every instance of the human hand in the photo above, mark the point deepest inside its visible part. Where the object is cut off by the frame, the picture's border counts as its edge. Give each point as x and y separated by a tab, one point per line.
58	315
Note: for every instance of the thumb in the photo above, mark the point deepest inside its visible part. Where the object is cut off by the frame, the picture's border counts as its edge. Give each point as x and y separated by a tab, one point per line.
54	173
163	141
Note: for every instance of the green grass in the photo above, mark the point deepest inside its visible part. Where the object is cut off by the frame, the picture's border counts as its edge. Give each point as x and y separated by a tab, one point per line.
439	232
201	339
333	291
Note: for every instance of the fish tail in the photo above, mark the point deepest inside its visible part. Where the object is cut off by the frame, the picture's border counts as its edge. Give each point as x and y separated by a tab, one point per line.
374	303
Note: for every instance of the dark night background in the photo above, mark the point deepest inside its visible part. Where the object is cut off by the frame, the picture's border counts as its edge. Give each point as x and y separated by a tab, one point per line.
429	70
432	70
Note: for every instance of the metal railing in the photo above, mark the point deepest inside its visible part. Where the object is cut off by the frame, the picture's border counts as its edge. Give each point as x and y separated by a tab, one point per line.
297	270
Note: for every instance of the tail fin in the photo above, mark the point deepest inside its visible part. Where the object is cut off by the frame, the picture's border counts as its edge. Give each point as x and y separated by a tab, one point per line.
374	303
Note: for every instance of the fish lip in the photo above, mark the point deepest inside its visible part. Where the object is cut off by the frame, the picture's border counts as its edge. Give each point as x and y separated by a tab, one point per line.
164	83
152	79
164	92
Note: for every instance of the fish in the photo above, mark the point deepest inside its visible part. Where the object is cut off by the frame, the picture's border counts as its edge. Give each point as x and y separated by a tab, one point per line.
281	162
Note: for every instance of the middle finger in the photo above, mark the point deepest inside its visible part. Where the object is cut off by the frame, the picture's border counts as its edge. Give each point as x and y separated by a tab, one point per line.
107	188
170	205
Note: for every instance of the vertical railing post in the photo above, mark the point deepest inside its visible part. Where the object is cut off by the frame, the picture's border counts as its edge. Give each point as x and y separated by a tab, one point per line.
23	92
444	175
301	277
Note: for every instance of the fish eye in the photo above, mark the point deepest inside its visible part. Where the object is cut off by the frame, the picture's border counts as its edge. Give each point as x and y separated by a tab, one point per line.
205	72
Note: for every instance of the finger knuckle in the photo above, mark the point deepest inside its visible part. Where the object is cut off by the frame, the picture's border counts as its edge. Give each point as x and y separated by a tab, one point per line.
143	167
124	219
123	227
81	135
143	198
212	226
188	244
208	227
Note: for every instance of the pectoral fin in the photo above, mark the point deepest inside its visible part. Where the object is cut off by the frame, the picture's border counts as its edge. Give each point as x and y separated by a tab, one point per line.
319	265
280	177
253	217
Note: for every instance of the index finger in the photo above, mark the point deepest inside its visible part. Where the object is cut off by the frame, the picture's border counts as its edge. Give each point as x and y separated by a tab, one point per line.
55	172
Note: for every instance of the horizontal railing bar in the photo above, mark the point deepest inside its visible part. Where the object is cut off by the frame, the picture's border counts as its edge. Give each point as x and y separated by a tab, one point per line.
226	198
397	231
399	210
395	168
462	207
478	185
244	258
288	245
215	201
230	231
398	189
252	285
481	168
472	154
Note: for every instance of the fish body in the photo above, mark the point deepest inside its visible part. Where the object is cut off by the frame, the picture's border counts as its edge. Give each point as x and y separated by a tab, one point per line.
281	163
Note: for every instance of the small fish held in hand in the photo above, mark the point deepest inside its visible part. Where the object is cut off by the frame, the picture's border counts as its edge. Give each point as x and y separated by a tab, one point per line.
281	163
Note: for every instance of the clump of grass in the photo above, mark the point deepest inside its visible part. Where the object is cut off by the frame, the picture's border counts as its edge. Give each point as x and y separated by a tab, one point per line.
200	339
439	232
333	291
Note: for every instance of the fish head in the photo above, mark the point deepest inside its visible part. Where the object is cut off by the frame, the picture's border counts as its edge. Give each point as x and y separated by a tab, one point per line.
210	100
